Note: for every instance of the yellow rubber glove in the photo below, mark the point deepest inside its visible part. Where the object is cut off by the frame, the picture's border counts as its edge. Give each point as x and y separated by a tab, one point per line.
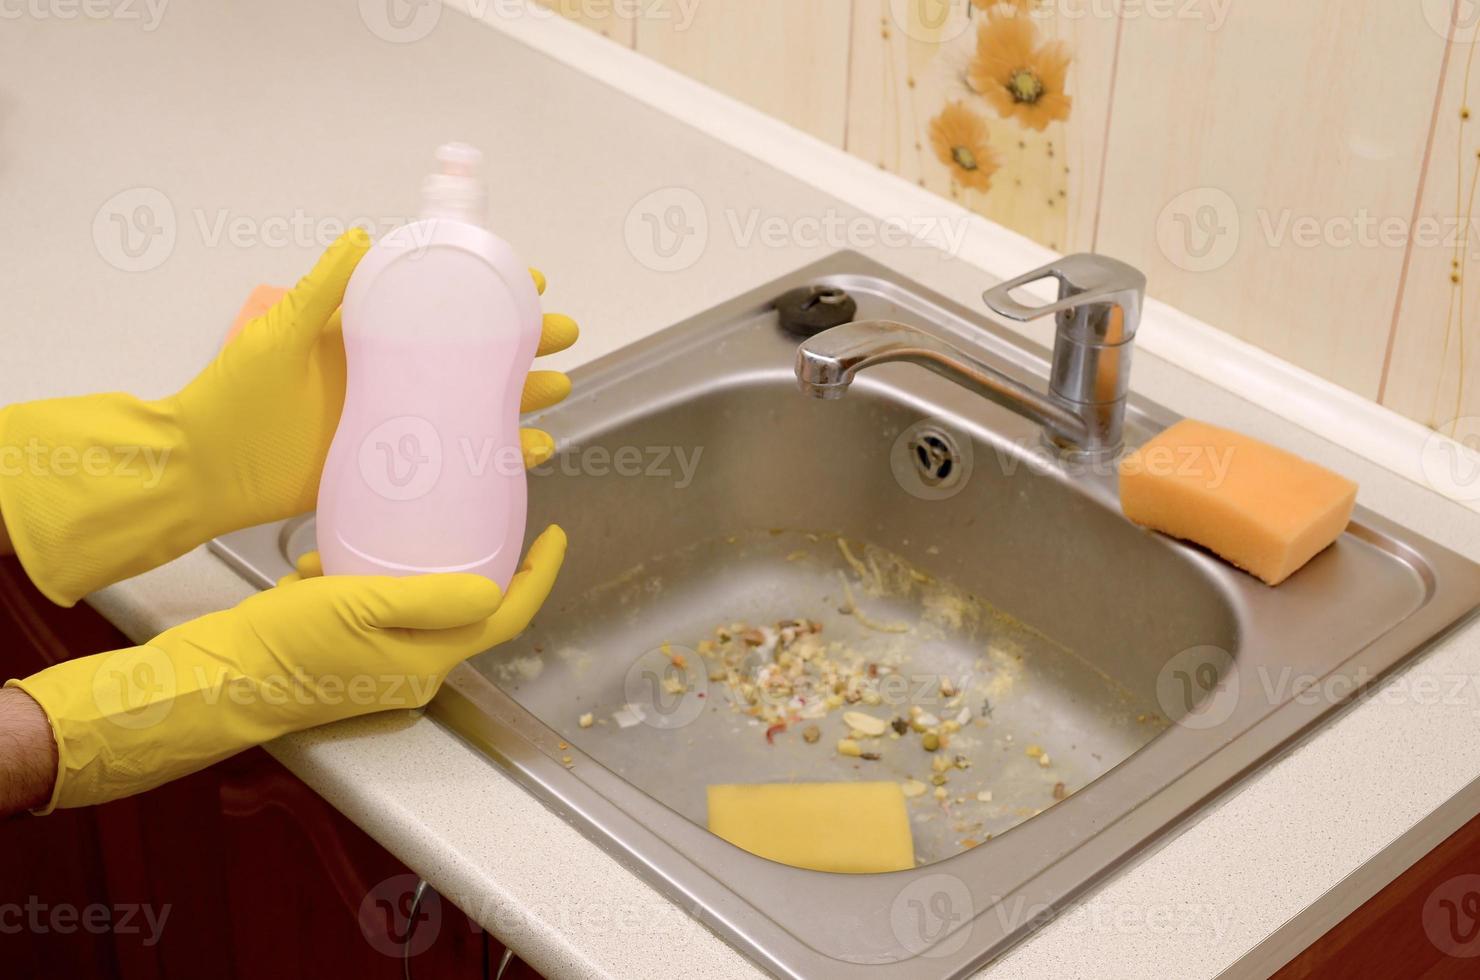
300	655
100	488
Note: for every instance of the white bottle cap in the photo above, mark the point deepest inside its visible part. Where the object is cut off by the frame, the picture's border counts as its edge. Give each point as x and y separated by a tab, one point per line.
456	192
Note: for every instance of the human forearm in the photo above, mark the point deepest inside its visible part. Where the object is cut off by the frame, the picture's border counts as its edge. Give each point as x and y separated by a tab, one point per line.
28	753
307	653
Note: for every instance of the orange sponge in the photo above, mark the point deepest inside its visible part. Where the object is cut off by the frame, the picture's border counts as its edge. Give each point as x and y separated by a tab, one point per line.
1263	509
261	299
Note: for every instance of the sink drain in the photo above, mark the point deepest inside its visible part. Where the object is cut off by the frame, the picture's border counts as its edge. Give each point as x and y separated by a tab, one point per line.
930	461
935	456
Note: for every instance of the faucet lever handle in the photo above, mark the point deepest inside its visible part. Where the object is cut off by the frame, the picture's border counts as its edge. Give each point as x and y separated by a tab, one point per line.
1095	318
1085	280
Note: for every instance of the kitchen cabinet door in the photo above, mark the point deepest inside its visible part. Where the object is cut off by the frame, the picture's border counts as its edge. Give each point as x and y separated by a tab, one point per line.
239	871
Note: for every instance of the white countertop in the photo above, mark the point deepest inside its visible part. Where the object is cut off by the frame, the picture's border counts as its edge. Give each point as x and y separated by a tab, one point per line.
255	120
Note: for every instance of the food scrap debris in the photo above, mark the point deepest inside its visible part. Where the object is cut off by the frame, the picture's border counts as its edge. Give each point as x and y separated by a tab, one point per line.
865	724
854	684
629	715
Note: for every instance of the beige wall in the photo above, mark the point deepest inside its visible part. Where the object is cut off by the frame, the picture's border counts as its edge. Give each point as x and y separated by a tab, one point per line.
1300	173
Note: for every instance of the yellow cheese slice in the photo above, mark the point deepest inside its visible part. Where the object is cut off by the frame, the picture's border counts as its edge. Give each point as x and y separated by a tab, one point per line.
855	828
1263	509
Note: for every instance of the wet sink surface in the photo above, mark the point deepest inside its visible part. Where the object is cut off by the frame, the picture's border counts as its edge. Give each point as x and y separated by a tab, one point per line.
936	562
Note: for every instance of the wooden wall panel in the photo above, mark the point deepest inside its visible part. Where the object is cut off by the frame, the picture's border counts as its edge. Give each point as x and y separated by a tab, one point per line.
912	57
1298	174
613	20
1227	141
787	58
1434	370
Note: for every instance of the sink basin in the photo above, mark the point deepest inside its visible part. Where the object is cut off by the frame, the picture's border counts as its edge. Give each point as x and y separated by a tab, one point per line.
1098	683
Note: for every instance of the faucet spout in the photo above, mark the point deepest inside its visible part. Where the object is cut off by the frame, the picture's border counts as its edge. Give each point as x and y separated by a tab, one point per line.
827	364
1097	312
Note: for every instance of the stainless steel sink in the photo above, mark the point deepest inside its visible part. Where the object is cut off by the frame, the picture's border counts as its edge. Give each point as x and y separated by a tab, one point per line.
1107	681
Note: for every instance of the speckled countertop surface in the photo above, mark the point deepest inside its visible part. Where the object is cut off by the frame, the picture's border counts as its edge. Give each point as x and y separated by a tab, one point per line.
329	123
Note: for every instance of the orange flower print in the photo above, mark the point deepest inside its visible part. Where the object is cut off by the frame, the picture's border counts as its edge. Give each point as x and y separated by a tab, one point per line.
1022	80
959	138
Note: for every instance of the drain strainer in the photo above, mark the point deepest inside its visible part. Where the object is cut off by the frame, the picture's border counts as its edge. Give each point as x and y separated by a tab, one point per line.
935	457
931	461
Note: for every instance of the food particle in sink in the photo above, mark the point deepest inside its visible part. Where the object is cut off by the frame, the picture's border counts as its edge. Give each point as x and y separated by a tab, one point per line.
629	715
847	746
850	608
675	685
1044	761
940	763
811	734
586	720
913	788
930	742
900	726
1059	792
961	762
793	673
1032	751
773	731
985	796
864	723
520	669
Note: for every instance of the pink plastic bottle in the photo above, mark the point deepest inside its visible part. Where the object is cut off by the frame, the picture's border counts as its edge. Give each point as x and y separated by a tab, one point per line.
441	325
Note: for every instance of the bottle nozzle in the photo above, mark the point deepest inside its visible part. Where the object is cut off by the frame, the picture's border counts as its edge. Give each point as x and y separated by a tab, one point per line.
459	159
456	191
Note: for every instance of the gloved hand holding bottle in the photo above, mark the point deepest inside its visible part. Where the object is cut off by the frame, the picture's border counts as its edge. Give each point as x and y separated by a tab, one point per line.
242	444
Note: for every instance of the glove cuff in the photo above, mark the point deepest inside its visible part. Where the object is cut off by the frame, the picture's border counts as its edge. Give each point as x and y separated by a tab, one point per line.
93	490
110	715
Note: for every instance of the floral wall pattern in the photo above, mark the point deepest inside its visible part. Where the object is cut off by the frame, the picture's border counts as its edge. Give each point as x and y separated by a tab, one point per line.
1255	157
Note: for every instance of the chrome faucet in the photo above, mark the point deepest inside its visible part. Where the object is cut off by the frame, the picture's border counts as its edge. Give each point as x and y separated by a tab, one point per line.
1097	312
